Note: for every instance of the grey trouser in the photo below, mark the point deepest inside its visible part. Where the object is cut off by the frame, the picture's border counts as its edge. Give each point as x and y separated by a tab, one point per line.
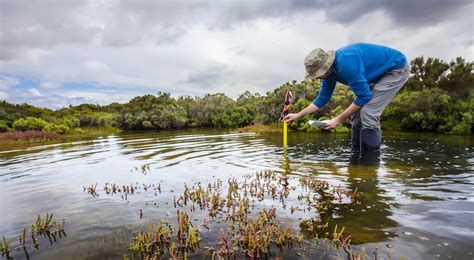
382	93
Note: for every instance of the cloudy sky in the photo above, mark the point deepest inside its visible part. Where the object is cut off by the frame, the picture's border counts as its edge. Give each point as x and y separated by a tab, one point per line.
58	52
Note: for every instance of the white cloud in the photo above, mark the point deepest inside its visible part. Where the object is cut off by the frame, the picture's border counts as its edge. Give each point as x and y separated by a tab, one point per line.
94	65
35	92
4	95
6	82
50	85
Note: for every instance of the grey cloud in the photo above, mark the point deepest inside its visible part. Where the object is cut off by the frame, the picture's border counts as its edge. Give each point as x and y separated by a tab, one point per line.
45	24
416	13
40	24
402	12
208	78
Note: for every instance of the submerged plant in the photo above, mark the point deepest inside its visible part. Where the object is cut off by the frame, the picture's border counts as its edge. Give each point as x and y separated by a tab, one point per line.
163	238
5	248
246	230
92	190
45	227
253	233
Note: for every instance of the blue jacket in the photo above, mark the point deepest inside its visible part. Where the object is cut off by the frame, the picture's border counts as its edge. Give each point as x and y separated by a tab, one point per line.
358	65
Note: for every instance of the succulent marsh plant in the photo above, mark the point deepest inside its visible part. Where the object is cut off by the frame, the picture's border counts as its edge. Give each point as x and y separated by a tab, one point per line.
5	248
92	190
45	227
246	230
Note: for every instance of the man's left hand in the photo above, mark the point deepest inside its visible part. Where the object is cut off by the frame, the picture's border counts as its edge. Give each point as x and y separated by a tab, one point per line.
332	124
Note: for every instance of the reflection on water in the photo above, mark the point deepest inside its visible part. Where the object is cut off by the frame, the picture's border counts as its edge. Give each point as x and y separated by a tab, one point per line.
418	198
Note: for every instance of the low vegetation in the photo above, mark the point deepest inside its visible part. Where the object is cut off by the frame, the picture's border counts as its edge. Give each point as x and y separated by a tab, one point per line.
42	228
247	213
28	136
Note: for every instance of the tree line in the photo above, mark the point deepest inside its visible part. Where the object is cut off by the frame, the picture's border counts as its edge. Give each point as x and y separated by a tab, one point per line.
438	97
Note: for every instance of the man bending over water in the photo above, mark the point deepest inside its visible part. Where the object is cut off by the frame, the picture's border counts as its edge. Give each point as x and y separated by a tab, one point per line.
374	73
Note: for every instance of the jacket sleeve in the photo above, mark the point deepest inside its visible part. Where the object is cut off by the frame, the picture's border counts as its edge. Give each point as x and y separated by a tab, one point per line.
352	70
325	93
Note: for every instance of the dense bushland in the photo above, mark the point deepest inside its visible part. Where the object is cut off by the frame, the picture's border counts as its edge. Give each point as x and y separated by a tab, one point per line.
438	97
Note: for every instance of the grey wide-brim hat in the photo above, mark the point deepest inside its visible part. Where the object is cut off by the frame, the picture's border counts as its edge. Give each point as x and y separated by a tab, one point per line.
317	63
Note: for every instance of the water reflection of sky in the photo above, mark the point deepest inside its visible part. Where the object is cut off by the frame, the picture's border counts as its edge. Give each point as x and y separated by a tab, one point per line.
419	199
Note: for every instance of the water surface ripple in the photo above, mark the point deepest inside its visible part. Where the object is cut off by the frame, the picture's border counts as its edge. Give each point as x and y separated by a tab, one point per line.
419	198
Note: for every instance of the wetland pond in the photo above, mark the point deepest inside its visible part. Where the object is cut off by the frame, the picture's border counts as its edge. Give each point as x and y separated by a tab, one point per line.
416	202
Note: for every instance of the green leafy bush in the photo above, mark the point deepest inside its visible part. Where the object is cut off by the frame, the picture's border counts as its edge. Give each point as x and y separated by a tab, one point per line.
56	128
30	123
429	110
3	126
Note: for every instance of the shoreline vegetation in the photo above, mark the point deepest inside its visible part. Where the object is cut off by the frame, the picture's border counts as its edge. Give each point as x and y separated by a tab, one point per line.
438	97
259	128
19	138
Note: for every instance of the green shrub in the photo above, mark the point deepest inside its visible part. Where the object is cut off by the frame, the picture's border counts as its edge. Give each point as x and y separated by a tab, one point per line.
20	125
342	129
147	124
30	123
78	131
56	128
3	126
463	128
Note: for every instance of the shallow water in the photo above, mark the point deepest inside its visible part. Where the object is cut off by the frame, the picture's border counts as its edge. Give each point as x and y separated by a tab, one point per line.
418	201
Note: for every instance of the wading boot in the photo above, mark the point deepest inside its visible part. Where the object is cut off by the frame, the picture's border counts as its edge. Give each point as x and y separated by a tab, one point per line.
369	158
370	139
355	146
355	139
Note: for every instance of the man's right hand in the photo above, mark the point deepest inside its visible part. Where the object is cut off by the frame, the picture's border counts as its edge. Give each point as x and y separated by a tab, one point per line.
291	117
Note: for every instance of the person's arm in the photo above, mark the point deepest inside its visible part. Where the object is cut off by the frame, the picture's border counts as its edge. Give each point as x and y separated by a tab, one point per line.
323	97
333	123
326	91
307	110
353	73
